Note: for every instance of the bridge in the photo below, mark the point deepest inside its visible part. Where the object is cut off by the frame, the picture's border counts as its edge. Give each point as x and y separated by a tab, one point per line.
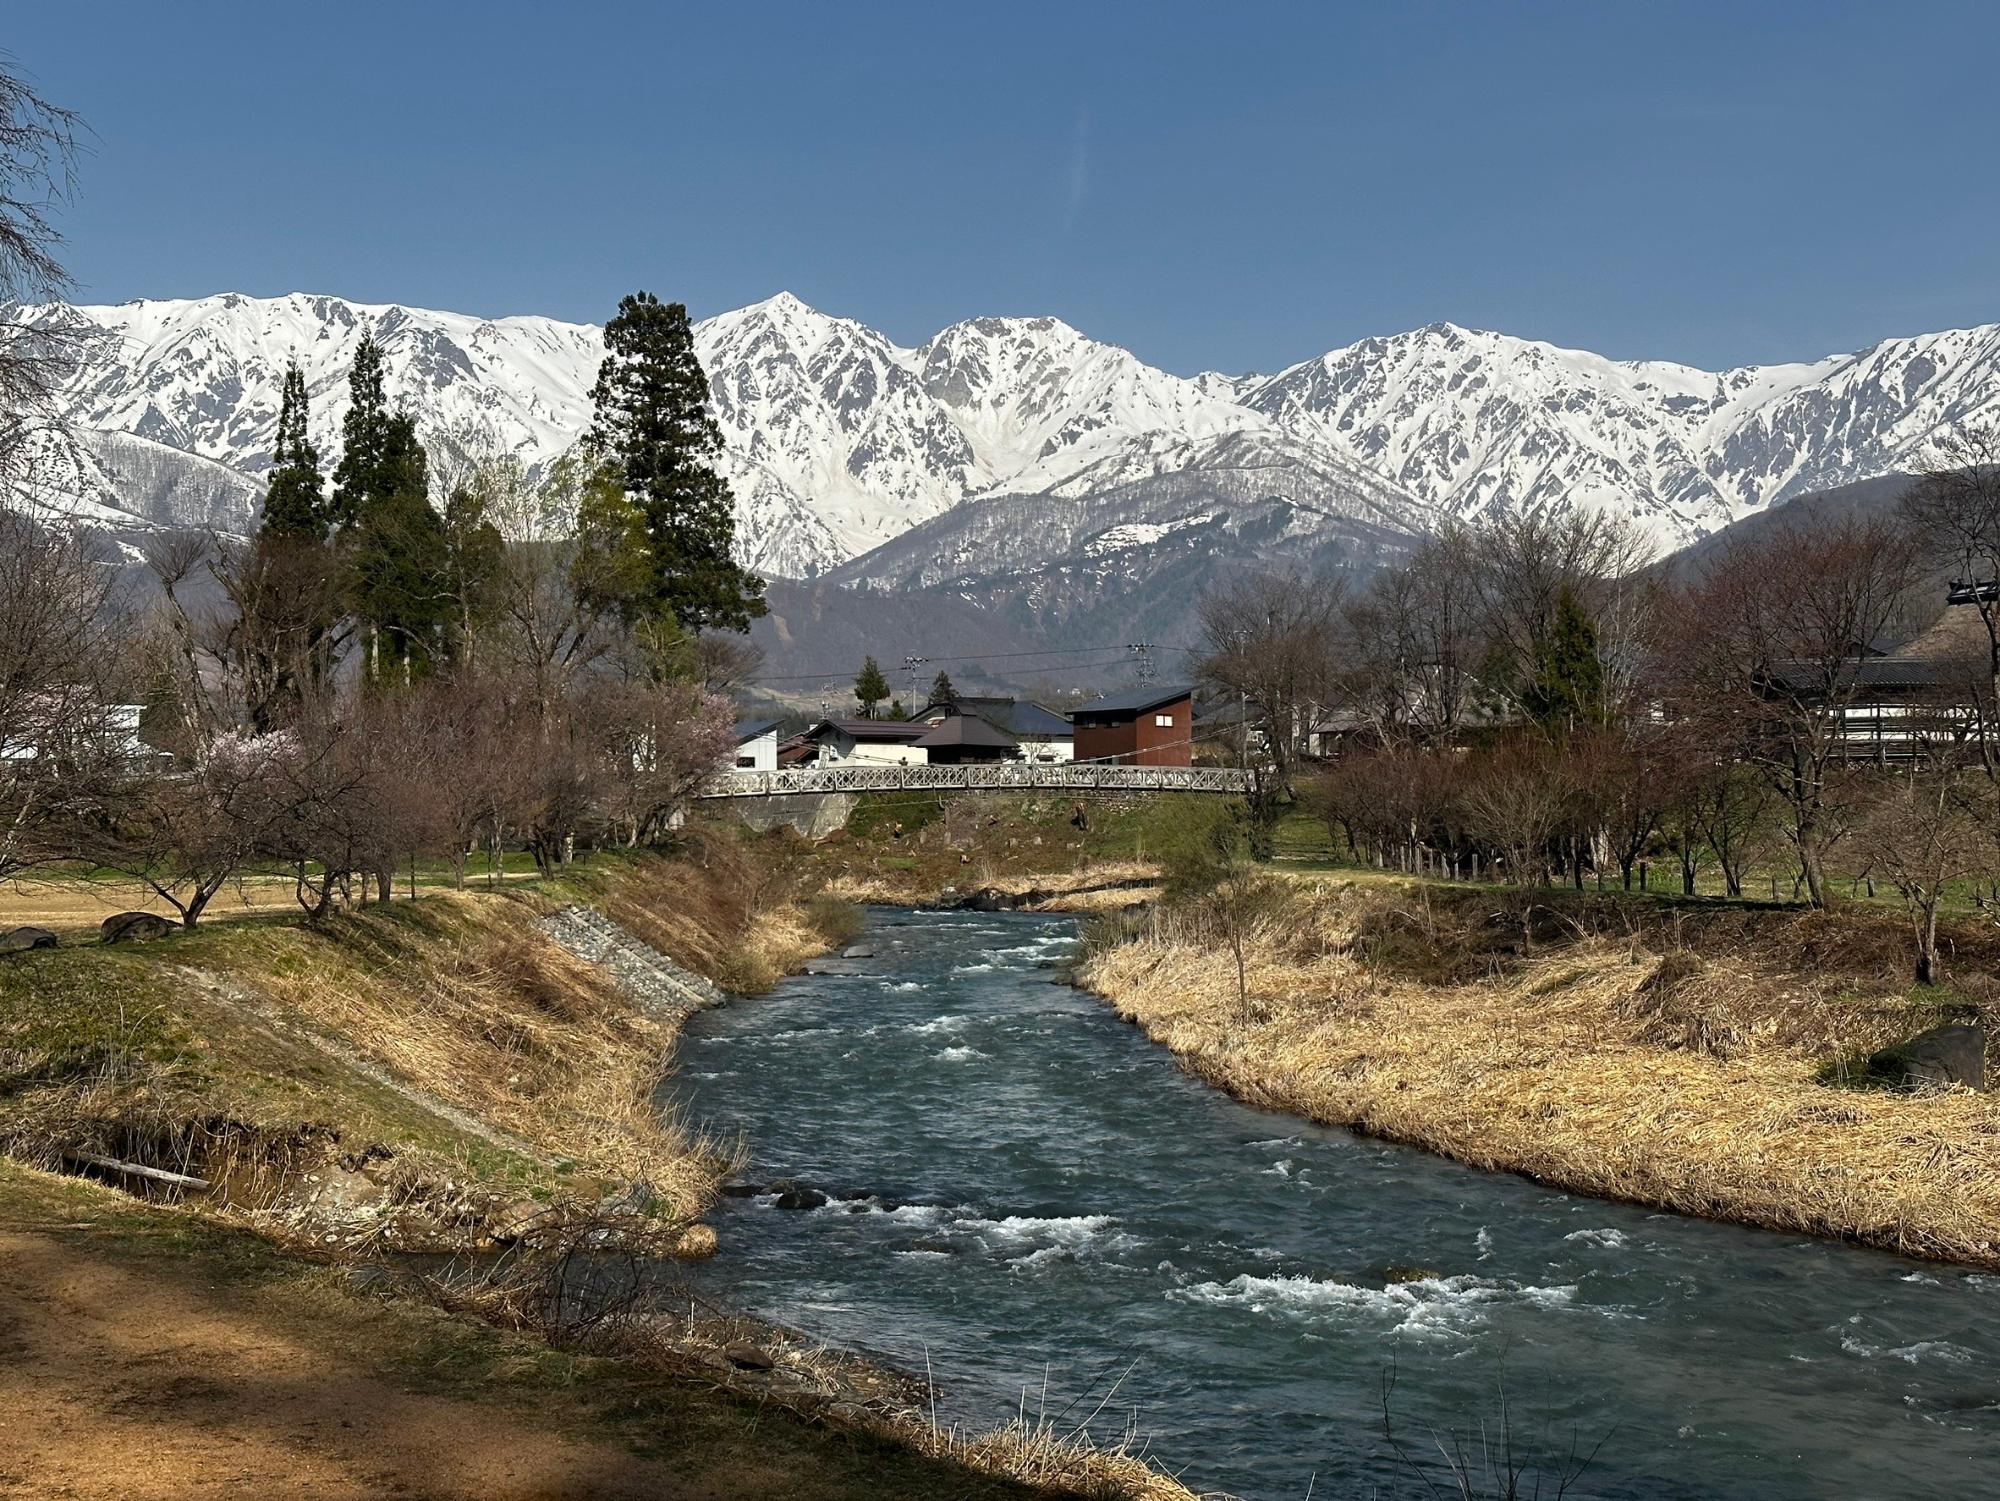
1005	776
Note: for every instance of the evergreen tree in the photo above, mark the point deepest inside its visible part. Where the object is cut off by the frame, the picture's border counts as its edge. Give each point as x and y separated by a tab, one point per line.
653	421
1566	688
896	710
474	556
401	559
941	689
870	688
360	477
294	505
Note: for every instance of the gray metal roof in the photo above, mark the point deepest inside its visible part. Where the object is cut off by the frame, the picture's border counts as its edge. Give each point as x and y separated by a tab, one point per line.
966	729
750	729
1019	717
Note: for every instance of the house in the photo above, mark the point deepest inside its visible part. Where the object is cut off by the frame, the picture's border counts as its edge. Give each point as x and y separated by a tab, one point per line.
1898	699
870	742
1039	733
964	740
756	745
1151	724
114	731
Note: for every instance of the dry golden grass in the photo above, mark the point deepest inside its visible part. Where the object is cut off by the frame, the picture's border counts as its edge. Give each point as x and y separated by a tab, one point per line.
77	907
1105	887
1598	1065
469	1002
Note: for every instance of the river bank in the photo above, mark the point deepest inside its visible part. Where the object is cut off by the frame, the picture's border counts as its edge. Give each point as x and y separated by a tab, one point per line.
468	1072
1676	1058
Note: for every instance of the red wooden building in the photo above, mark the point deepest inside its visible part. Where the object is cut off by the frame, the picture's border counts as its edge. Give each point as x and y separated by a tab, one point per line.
1150	725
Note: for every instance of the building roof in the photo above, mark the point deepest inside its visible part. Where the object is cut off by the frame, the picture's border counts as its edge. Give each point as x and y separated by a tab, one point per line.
750	729
1019	717
892	731
965	730
1894	674
1134	700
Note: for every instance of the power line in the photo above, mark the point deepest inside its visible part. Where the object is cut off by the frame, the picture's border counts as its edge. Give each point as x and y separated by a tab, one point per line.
994	656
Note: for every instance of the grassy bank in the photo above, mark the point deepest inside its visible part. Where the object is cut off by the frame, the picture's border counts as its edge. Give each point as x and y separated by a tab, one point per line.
1688	1058
434	1074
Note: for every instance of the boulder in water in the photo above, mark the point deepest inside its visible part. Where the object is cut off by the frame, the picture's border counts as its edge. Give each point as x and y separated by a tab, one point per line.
801	1198
1954	1053
23	939
857	951
135	927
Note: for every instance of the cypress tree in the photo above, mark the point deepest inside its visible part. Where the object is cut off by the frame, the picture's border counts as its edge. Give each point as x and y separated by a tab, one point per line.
653	422
941	688
870	688
294	505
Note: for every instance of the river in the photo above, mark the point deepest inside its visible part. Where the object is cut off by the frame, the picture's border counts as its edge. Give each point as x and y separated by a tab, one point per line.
1036	1191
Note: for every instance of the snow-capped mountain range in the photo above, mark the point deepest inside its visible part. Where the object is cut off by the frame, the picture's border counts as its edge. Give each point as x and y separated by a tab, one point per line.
841	441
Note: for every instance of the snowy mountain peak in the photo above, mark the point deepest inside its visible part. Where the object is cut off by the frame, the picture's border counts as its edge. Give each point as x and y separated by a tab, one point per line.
840	440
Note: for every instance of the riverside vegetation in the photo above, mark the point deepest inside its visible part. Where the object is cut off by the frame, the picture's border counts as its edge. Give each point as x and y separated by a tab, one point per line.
443	1075
1702	1057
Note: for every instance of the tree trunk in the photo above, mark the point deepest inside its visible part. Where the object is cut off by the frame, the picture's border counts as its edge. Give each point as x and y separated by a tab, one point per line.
1927	964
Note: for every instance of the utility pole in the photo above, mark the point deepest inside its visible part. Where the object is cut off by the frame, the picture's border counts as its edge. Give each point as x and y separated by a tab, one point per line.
1143	650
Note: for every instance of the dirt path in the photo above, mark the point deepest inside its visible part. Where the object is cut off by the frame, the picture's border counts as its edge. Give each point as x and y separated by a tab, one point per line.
122	1385
168	1365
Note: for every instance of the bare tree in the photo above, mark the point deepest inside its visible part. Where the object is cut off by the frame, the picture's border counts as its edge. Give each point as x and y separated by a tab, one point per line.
1519	798
1525	566
55	653
1954	510
1271	642
1769	658
1929	829
1415	642
38	347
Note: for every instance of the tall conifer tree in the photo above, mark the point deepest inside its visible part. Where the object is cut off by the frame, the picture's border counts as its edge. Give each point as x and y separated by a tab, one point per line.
401	559
364	437
653	422
294	502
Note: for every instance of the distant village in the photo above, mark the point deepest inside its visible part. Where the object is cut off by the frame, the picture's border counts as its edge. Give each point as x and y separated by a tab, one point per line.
1148	724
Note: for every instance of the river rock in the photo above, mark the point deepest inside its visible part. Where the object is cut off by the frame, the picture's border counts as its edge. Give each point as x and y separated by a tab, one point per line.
23	939
857	951
741	1190
1954	1053
801	1198
748	1358
135	927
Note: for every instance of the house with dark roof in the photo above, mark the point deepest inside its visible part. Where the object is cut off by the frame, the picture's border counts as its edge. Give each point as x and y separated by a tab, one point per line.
965	740
1039	733
873	742
1897	699
1151	724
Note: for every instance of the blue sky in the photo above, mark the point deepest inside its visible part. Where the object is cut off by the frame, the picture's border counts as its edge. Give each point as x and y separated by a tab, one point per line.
1229	186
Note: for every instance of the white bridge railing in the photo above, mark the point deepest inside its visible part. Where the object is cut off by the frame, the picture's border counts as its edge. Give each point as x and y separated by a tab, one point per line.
1008	776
